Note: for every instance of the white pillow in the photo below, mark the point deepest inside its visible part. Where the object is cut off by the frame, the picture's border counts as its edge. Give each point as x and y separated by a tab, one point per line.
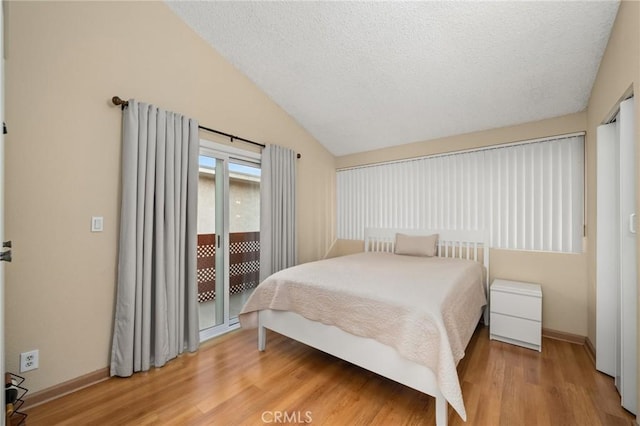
417	245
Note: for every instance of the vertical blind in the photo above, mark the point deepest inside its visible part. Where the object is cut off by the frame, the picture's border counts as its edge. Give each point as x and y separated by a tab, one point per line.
529	196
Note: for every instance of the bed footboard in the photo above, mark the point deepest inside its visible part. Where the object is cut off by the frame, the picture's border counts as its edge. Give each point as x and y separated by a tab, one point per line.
363	352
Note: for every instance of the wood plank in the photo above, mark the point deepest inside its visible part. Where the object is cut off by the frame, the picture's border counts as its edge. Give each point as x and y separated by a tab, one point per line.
229	382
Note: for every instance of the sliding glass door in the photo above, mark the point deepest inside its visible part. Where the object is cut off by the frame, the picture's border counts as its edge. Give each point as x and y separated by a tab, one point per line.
228	236
244	233
211	300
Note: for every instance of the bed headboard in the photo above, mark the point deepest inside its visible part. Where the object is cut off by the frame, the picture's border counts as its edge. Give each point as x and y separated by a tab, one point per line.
473	245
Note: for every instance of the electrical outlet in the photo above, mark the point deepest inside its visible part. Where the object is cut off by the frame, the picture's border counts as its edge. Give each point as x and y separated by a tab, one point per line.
29	360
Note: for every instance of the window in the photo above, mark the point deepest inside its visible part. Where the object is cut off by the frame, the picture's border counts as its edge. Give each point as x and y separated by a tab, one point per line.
529	195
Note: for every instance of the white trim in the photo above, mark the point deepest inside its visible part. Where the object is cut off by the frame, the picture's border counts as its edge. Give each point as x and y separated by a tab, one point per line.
463	151
217	330
2	185
230	151
613	114
232	175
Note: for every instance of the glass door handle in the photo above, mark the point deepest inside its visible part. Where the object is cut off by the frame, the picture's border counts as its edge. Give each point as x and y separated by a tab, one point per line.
632	220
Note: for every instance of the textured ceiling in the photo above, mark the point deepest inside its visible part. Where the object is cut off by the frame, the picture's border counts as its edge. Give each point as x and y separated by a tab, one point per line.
365	75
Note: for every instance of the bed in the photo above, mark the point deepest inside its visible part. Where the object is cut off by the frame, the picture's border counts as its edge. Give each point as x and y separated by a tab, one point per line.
362	308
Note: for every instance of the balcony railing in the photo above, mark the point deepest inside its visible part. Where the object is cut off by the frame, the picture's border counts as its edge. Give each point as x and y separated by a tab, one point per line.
244	263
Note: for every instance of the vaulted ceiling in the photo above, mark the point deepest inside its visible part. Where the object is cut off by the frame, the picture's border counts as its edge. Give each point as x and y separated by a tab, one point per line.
366	75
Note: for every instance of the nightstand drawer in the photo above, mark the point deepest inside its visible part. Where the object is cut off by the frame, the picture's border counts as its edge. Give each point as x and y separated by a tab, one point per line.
517	305
515	328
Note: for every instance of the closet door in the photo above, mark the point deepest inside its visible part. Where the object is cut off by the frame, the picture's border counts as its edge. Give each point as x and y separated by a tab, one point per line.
628	268
608	250
616	270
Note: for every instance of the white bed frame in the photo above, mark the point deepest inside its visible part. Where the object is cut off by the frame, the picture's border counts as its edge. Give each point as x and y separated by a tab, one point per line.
368	353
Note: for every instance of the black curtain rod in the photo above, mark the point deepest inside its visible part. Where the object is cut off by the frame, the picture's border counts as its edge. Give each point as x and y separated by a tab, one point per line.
122	103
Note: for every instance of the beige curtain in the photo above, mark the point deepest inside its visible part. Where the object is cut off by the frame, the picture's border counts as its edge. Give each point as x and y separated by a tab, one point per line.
156	314
277	210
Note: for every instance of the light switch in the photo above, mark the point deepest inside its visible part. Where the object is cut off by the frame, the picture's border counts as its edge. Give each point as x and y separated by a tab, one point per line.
97	223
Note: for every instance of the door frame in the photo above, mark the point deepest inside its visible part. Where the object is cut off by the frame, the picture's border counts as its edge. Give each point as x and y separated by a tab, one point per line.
226	154
2	182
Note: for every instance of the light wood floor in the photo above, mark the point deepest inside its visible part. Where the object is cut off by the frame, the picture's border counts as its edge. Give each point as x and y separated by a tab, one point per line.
228	382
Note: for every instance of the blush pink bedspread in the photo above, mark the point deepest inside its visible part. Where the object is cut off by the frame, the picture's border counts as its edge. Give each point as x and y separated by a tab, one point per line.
425	308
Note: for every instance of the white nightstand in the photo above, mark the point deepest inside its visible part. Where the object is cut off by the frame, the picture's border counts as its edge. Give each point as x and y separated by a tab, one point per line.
516	313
